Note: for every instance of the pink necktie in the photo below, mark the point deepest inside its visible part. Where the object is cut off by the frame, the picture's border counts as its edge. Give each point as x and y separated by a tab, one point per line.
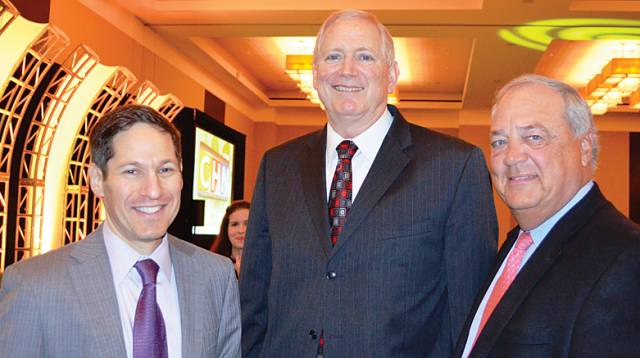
508	274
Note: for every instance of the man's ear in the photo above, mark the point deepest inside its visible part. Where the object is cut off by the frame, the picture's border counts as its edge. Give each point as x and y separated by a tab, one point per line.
314	73
96	179
394	73
586	149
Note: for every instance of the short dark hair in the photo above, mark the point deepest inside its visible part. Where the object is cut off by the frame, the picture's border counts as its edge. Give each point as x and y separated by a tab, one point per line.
222	244
120	120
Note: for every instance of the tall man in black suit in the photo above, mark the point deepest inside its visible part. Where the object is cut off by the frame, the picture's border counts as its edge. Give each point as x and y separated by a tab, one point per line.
575	258
399	276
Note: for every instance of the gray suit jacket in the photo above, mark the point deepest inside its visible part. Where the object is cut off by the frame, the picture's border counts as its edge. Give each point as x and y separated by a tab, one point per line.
417	244
63	303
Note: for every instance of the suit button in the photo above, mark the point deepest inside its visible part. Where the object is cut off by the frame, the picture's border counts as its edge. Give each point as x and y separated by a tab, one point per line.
331	275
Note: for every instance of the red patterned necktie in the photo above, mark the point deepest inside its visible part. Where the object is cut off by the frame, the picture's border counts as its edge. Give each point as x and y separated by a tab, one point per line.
509	273
341	187
149	335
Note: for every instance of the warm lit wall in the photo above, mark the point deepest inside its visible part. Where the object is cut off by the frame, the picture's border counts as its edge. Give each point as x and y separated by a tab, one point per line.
264	139
113	47
267	136
613	168
239	122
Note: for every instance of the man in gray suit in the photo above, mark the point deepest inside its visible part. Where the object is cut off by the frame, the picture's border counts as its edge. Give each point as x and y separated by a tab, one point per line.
413	229
88	299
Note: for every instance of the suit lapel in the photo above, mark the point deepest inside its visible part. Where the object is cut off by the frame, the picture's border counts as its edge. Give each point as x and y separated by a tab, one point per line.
312	167
94	289
543	258
526	280
386	167
464	335
189	290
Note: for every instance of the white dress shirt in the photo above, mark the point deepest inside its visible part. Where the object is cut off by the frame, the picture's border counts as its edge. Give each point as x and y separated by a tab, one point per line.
368	142
128	286
538	235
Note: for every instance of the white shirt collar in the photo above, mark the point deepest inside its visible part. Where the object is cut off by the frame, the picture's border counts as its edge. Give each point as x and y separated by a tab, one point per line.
539	233
122	257
368	142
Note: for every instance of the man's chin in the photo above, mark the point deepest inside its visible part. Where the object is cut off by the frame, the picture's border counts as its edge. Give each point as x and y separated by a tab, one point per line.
150	236
521	203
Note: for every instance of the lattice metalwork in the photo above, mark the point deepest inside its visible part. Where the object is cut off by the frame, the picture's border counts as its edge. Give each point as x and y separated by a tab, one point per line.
77	201
14	100
147	94
4	184
144	94
169	106
37	145
8	13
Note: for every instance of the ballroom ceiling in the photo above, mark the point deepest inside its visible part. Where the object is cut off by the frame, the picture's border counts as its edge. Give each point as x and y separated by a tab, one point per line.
452	54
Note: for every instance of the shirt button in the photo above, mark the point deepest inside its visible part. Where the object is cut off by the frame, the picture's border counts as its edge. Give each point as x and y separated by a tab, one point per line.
331	275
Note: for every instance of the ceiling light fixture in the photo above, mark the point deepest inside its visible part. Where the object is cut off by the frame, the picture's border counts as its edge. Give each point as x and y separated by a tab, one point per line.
299	68
616	84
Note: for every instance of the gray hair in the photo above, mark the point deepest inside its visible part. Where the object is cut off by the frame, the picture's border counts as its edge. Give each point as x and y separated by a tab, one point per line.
387	41
576	111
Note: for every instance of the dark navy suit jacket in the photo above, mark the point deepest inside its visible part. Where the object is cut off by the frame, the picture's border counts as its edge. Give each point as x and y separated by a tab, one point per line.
577	296
417	245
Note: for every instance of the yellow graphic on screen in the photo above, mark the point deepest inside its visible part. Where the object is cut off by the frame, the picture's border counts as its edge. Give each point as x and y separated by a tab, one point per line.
214	173
212	179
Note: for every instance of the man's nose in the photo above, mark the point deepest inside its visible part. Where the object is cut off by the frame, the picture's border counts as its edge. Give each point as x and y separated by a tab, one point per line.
514	153
151	186
348	66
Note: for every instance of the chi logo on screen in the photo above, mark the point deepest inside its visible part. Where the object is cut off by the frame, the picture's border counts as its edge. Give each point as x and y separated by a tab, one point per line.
214	173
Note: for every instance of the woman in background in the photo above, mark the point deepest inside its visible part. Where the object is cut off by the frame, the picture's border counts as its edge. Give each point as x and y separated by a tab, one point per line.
230	240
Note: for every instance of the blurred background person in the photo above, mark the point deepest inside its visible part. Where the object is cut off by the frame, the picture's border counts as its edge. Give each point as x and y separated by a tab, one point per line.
230	240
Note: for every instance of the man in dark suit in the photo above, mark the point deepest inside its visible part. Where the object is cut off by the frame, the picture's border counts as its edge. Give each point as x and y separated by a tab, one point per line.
397	276
129	289
567	280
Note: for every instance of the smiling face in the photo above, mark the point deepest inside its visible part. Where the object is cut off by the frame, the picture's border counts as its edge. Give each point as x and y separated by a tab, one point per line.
238	227
537	162
141	187
351	75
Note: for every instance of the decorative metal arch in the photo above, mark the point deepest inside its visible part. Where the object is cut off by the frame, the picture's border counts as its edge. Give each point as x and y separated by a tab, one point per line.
37	145
15	97
78	197
145	93
169	106
8	13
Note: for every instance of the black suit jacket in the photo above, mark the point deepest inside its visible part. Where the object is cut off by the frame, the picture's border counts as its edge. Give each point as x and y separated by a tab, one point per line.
577	296
417	244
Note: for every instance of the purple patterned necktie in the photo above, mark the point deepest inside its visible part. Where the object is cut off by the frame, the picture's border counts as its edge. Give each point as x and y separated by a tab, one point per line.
149	336
341	187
